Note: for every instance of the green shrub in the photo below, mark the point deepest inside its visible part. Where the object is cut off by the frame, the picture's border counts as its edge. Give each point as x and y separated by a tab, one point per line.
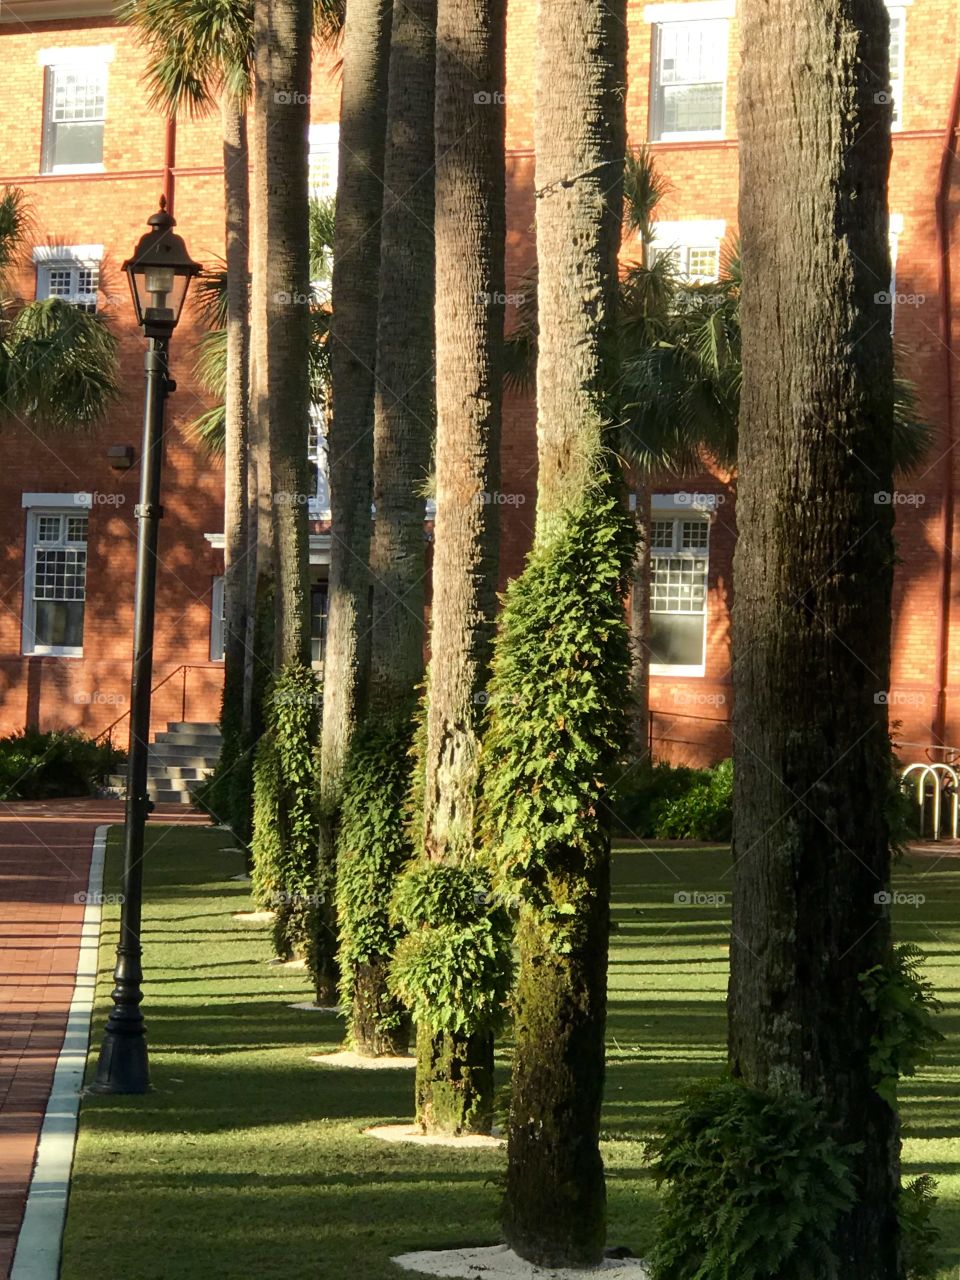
44	766
906	1006
640	795
753	1185
920	1237
454	965
705	812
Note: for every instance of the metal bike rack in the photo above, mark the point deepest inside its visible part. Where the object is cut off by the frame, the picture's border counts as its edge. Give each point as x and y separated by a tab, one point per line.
936	774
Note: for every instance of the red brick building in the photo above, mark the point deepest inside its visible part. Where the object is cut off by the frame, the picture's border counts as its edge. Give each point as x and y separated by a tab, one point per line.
76	137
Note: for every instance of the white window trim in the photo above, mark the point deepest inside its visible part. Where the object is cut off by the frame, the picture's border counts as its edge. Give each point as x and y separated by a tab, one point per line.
325	137
217	626
691	234
53	503
80	55
671	506
75	257
82	253
897	74
57	501
687	13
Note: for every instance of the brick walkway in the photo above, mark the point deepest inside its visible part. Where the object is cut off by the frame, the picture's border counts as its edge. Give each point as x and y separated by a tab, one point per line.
44	861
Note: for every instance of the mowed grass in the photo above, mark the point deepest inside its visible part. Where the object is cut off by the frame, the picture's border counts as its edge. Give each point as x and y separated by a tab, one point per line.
248	1161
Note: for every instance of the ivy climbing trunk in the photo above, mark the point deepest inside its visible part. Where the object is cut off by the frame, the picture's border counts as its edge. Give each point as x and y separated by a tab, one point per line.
555	1203
470	232
813	572
353	353
282	36
404	419
640	725
234	755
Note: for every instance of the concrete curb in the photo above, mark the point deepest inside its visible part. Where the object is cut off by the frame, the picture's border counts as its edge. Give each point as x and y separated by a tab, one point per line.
41	1232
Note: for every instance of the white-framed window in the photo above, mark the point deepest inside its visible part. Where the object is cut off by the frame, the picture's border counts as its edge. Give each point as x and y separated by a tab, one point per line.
70	272
318	505
55	580
324	160
688	98
319	598
693	246
898	21
218	620
679	568
74	108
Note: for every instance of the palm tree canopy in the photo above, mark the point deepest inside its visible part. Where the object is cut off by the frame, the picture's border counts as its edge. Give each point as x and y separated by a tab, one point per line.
199	49
679	389
58	363
211	364
58	368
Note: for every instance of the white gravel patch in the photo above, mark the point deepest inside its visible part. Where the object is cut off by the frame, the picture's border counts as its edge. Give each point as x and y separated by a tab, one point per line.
347	1058
310	1006
404	1133
254	917
500	1263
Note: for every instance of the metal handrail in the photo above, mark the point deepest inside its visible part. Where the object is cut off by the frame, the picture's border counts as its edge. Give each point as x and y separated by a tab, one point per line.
183	668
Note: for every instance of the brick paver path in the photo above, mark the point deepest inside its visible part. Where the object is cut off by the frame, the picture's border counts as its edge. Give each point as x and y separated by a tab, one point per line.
45	852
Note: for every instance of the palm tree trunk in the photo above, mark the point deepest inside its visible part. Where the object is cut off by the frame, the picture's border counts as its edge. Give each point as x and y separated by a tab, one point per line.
470	230
236	495
353	338
283	42
404	422
554	1208
813	572
283	30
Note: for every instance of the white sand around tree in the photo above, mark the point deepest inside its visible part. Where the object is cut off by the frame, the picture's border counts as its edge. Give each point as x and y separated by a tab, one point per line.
347	1058
311	1006
408	1133
500	1263
254	917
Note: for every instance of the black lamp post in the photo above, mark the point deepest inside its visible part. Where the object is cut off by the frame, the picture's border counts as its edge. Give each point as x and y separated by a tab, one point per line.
160	272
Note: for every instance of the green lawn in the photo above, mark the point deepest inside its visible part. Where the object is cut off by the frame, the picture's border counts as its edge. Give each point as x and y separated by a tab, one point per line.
247	1161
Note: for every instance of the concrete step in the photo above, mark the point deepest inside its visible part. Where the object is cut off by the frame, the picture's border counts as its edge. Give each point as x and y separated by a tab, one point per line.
206	741
180	785
195	726
187	754
162	795
189	771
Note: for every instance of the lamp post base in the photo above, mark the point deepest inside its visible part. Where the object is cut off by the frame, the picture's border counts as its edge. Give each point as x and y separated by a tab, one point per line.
122	1066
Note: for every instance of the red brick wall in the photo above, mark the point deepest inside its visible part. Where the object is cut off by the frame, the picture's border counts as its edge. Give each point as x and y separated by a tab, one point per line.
690	714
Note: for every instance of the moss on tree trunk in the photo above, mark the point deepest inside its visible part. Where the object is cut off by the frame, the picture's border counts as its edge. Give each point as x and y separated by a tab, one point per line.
454	1082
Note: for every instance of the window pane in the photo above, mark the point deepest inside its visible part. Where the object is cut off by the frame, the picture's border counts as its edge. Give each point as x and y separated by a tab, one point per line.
318	621
695	535
76	144
48	528
78	93
661	535
58	624
692	108
703	263
677	639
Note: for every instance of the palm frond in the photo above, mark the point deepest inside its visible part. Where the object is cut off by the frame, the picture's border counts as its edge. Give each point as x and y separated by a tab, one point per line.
643	189
61	368
197	49
328	19
322	217
16	222
210	431
210	297
520	346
